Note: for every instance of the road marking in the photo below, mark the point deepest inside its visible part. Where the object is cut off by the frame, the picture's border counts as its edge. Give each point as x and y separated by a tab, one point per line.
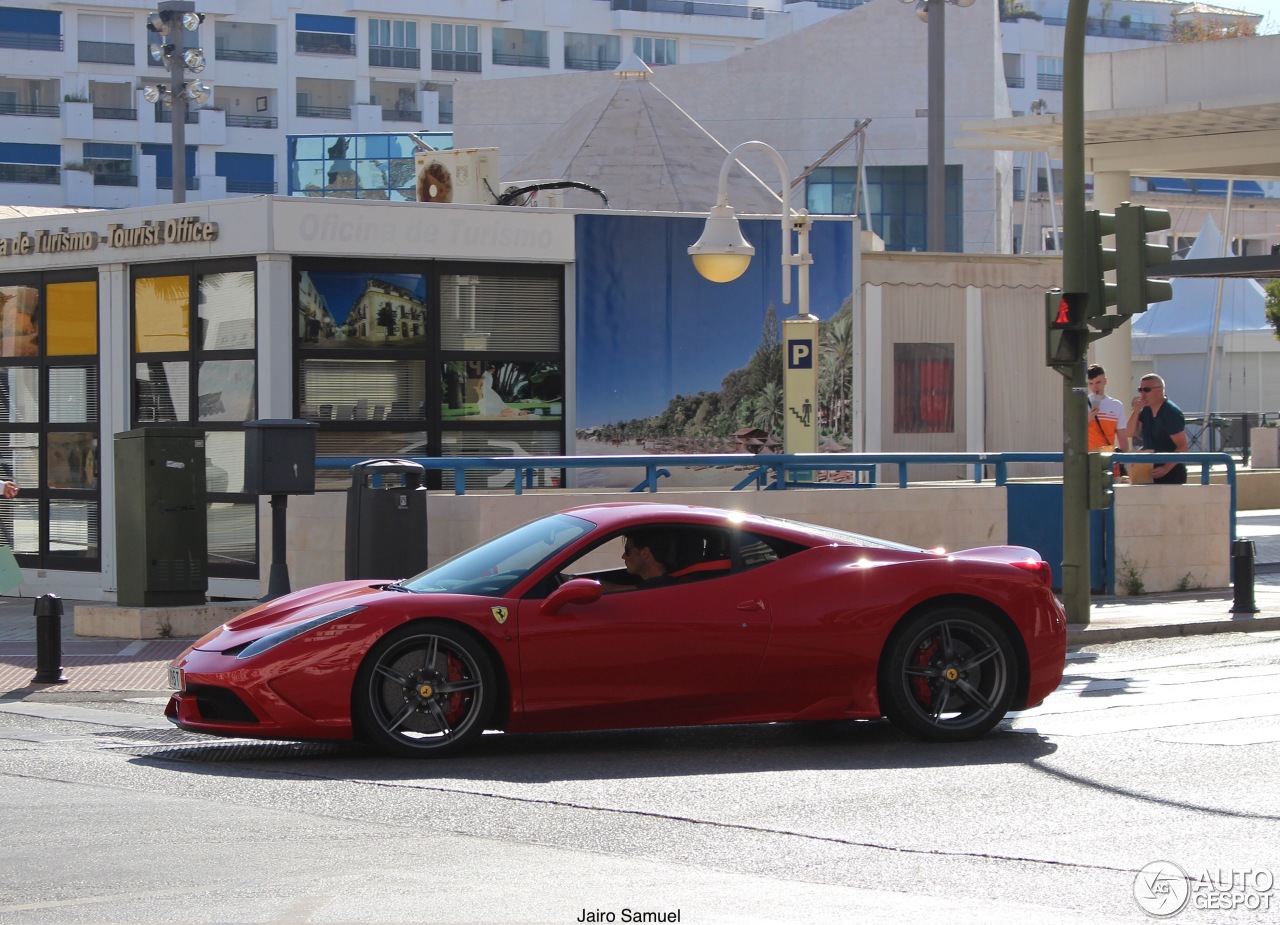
94	900
1250	736
87	715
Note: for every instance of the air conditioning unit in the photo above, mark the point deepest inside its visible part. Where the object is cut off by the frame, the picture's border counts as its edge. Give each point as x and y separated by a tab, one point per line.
457	175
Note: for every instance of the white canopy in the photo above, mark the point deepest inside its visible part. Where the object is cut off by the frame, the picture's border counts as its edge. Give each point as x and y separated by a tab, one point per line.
1185	324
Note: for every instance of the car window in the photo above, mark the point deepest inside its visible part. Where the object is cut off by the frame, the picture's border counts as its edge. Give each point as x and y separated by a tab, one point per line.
756	549
493	567
687	552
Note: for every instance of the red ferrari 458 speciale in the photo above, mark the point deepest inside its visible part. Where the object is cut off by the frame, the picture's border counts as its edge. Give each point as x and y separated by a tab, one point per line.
751	619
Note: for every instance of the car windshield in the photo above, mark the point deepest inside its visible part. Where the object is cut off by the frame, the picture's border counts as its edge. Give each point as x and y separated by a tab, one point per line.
494	567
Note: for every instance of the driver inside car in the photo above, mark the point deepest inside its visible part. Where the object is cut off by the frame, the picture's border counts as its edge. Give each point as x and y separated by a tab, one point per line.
645	554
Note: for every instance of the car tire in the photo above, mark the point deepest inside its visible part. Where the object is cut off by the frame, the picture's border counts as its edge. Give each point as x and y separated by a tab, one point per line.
424	690
948	674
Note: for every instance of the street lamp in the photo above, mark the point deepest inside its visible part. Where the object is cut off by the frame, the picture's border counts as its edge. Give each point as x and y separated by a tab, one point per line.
935	191
172	18
722	254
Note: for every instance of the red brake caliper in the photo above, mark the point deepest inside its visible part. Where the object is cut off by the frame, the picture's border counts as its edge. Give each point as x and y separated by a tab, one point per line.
920	686
455	705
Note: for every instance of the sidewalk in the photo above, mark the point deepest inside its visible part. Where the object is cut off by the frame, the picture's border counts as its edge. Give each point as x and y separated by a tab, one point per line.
124	665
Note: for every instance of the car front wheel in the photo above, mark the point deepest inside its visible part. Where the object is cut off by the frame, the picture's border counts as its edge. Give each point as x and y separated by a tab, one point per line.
424	690
948	675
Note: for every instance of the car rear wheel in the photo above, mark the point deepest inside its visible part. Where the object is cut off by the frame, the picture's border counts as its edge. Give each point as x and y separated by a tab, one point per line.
948	675
424	690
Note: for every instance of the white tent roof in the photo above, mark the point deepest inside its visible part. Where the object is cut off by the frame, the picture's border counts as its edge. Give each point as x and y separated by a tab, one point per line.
1185	324
643	151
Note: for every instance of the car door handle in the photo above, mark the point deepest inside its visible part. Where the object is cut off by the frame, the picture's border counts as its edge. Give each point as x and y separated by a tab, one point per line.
751	605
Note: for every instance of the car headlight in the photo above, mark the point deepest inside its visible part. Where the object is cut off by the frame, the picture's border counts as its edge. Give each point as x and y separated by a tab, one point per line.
292	632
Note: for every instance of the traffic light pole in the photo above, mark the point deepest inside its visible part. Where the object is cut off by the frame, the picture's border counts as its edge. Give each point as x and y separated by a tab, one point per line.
1075	398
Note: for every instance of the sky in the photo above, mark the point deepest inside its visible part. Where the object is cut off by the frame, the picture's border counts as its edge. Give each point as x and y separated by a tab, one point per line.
1270	10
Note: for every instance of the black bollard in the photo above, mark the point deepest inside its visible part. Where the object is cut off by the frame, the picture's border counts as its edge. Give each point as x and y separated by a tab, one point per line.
49	640
1242	577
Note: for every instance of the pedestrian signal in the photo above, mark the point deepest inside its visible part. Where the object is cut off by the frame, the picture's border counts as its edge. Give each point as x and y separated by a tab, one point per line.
1068	313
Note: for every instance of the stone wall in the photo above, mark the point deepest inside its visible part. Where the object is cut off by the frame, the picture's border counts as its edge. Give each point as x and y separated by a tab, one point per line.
1165	532
1172	537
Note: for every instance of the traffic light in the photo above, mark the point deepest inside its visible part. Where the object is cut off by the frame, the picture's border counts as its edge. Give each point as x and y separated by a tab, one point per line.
1134	256
1098	260
1066	328
1100	481
1066	310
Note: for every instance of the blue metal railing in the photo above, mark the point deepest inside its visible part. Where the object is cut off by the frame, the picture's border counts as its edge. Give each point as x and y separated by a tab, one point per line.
779	471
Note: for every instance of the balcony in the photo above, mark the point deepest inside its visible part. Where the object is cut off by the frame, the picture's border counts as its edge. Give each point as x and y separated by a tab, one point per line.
258	187
167	183
401	115
29	173
119	179
29	109
691	8
324	112
1016	82
234	121
467	62
1048	81
245	55
165	116
105	53
521	60
110	112
588	64
406	58
1120	29
324	43
30	41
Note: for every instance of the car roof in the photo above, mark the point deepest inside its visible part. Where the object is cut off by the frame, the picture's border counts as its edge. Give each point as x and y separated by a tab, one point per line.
622	514
619	515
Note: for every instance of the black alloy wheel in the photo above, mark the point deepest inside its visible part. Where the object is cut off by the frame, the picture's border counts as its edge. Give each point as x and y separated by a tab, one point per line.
947	675
424	690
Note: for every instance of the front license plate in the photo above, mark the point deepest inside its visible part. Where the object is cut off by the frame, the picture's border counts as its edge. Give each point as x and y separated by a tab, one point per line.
177	679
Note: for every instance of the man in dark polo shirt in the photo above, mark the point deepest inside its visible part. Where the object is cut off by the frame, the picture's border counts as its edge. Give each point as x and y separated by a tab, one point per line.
1159	424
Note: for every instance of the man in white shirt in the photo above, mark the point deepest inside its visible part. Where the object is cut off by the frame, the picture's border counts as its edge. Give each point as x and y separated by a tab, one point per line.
1106	415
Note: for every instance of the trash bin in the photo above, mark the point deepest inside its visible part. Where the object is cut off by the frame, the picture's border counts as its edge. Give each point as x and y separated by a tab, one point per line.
162	544
386	519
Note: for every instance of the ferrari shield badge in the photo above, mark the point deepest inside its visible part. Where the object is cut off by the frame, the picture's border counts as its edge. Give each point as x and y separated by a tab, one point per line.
499	614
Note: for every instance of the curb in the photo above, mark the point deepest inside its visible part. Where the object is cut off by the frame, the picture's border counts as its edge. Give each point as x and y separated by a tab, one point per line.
1089	635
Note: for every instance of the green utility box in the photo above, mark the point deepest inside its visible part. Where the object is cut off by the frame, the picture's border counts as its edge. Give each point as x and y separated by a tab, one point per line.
162	543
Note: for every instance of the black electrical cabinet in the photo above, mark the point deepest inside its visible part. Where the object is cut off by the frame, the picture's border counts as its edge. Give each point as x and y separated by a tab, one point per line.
162	543
280	457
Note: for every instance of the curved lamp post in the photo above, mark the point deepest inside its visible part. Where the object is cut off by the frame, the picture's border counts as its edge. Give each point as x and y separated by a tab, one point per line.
722	254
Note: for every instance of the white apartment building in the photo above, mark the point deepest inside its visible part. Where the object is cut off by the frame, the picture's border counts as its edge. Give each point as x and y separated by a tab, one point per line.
77	130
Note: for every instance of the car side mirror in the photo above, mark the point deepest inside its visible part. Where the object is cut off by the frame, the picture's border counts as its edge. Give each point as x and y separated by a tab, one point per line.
573	591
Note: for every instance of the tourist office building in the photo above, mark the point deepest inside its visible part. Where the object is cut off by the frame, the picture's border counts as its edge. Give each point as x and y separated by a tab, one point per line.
401	330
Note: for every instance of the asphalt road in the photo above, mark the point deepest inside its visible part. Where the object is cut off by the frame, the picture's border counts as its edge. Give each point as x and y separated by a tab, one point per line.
1163	750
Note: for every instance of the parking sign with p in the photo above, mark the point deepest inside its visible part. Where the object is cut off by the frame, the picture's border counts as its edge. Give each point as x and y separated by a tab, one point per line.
799	354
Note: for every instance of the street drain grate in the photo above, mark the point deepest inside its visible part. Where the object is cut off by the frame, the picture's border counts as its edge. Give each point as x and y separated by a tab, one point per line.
238	751
154	735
